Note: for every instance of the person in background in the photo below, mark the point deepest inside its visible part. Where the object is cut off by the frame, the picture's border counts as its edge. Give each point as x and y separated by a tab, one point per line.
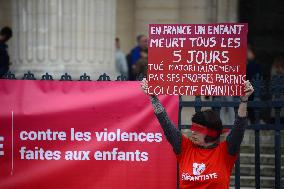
5	35
141	50
253	69
277	70
141	67
137	53
120	59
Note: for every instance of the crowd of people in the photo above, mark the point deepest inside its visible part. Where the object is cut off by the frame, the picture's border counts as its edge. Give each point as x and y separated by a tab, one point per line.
134	64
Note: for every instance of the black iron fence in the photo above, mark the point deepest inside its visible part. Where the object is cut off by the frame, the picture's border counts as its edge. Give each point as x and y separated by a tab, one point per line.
65	77
268	95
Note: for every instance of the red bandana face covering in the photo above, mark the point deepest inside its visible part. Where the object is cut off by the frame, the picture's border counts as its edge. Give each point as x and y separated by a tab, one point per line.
204	130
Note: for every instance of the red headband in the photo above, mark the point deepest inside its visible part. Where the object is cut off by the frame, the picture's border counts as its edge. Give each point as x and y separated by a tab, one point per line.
204	130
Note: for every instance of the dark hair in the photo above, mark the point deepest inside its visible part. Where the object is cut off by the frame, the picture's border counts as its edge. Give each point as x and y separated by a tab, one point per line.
139	37
211	120
251	47
7	32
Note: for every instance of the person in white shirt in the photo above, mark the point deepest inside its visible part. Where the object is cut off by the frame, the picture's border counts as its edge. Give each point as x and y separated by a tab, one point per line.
120	60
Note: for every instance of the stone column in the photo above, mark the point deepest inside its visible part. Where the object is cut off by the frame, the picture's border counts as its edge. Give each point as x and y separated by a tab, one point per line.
5	15
155	12
125	24
58	36
227	11
197	12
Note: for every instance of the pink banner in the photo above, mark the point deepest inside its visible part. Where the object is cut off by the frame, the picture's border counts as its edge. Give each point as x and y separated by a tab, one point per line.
59	135
197	59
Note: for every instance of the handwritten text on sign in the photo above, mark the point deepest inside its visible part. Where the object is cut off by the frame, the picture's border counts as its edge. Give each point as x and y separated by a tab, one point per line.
203	59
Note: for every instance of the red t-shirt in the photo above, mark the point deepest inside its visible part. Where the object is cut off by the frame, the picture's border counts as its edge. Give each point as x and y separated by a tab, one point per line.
205	168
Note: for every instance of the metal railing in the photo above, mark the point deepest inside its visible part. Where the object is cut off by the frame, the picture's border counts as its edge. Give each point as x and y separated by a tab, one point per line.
65	77
273	88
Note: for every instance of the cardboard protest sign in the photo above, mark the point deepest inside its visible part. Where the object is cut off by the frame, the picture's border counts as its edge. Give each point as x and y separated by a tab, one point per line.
197	59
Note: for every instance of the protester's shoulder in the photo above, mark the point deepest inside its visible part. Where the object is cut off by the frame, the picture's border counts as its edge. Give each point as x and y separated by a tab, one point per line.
227	157
223	148
223	144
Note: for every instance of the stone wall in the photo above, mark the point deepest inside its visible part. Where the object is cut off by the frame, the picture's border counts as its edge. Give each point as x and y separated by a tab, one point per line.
59	36
133	16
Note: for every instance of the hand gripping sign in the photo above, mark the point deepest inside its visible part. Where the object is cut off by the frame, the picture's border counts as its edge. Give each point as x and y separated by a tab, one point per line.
197	59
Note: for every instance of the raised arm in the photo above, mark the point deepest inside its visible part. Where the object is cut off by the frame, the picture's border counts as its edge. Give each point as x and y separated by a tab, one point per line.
235	138
172	134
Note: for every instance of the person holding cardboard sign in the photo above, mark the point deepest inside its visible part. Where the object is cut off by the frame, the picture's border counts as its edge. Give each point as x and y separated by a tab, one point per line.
204	161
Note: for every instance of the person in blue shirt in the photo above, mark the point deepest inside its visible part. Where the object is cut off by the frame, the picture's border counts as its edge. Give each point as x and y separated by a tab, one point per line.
253	68
137	53
141	50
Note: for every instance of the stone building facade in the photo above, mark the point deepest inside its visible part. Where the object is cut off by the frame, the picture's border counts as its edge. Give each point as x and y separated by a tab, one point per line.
77	36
